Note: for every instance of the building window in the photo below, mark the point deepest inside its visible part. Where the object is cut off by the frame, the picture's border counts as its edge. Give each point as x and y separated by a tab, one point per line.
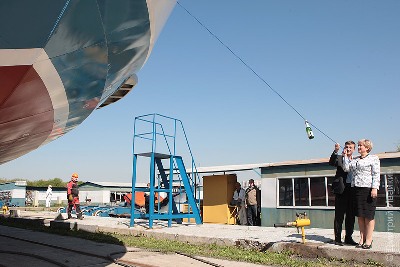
314	191
393	190
331	195
381	200
285	192
318	191
116	196
301	191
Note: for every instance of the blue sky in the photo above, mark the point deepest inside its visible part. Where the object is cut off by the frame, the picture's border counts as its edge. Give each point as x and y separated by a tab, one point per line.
336	62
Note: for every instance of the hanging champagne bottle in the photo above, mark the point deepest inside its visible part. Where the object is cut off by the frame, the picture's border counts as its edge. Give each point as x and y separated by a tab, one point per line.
309	131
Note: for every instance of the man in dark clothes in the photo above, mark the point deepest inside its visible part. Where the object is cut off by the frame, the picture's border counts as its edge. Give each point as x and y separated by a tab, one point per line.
253	203
342	189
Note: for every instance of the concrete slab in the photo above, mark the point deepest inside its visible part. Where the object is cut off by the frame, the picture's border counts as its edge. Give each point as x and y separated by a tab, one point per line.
19	246
386	245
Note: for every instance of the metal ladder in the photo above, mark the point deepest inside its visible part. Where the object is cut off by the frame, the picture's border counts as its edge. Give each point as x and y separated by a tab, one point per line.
174	181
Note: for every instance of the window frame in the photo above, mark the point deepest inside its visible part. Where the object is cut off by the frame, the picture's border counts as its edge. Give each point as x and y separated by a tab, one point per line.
327	207
309	177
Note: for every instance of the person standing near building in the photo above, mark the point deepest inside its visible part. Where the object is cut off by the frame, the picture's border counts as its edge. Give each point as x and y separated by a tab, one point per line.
49	194
366	173
238	200
344	195
251	203
73	197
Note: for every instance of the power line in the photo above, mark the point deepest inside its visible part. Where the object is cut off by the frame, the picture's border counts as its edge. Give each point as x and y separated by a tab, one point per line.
251	69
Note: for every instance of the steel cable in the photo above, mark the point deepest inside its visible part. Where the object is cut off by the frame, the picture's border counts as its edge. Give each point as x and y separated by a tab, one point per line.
251	69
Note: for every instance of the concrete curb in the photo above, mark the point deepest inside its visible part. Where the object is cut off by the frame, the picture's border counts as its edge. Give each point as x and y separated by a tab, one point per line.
310	249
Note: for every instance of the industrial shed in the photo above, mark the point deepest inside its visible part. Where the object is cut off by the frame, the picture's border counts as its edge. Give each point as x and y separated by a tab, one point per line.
13	194
105	193
18	194
305	186
93	193
36	196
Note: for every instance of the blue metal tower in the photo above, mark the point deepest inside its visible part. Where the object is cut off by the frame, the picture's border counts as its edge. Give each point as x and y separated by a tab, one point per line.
181	189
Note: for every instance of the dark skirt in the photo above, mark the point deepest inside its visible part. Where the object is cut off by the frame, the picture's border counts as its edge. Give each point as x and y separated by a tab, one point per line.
364	204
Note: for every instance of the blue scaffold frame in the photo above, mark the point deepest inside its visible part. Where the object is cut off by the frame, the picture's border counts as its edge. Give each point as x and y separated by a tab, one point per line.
167	179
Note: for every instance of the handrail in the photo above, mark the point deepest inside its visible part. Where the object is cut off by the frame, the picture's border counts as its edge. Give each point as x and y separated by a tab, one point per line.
158	130
189	181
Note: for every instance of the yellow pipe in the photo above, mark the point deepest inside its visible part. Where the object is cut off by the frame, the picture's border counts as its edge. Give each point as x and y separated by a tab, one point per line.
303	222
303	235
300	222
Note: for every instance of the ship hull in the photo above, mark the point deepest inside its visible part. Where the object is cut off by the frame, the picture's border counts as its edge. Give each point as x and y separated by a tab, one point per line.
61	59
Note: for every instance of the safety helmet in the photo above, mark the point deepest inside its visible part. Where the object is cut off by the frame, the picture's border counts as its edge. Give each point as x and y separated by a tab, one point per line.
74	176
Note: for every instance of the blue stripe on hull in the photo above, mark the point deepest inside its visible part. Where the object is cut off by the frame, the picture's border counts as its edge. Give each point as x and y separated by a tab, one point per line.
27	23
127	28
95	54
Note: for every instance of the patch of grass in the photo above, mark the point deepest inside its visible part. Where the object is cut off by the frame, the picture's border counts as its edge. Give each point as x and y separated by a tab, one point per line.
374	263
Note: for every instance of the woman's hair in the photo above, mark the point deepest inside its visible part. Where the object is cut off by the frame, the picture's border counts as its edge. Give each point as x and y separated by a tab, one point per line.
367	143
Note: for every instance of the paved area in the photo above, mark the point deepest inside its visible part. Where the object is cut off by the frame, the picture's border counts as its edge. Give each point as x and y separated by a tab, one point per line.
386	245
18	247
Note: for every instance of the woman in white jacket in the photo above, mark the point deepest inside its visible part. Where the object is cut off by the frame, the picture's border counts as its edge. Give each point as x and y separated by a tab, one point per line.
365	171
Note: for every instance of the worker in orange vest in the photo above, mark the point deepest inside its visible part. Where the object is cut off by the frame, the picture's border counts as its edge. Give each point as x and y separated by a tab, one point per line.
73	197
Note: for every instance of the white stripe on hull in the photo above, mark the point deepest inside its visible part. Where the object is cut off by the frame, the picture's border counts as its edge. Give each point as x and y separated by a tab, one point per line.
159	12
56	90
16	57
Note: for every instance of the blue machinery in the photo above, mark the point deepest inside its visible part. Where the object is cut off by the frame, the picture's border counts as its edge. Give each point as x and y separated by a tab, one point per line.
160	133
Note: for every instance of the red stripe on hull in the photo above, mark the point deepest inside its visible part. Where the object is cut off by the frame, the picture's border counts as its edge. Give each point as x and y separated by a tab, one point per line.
26	111
9	79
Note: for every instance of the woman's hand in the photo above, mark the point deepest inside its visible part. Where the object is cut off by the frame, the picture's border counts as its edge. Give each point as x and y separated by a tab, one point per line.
374	193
